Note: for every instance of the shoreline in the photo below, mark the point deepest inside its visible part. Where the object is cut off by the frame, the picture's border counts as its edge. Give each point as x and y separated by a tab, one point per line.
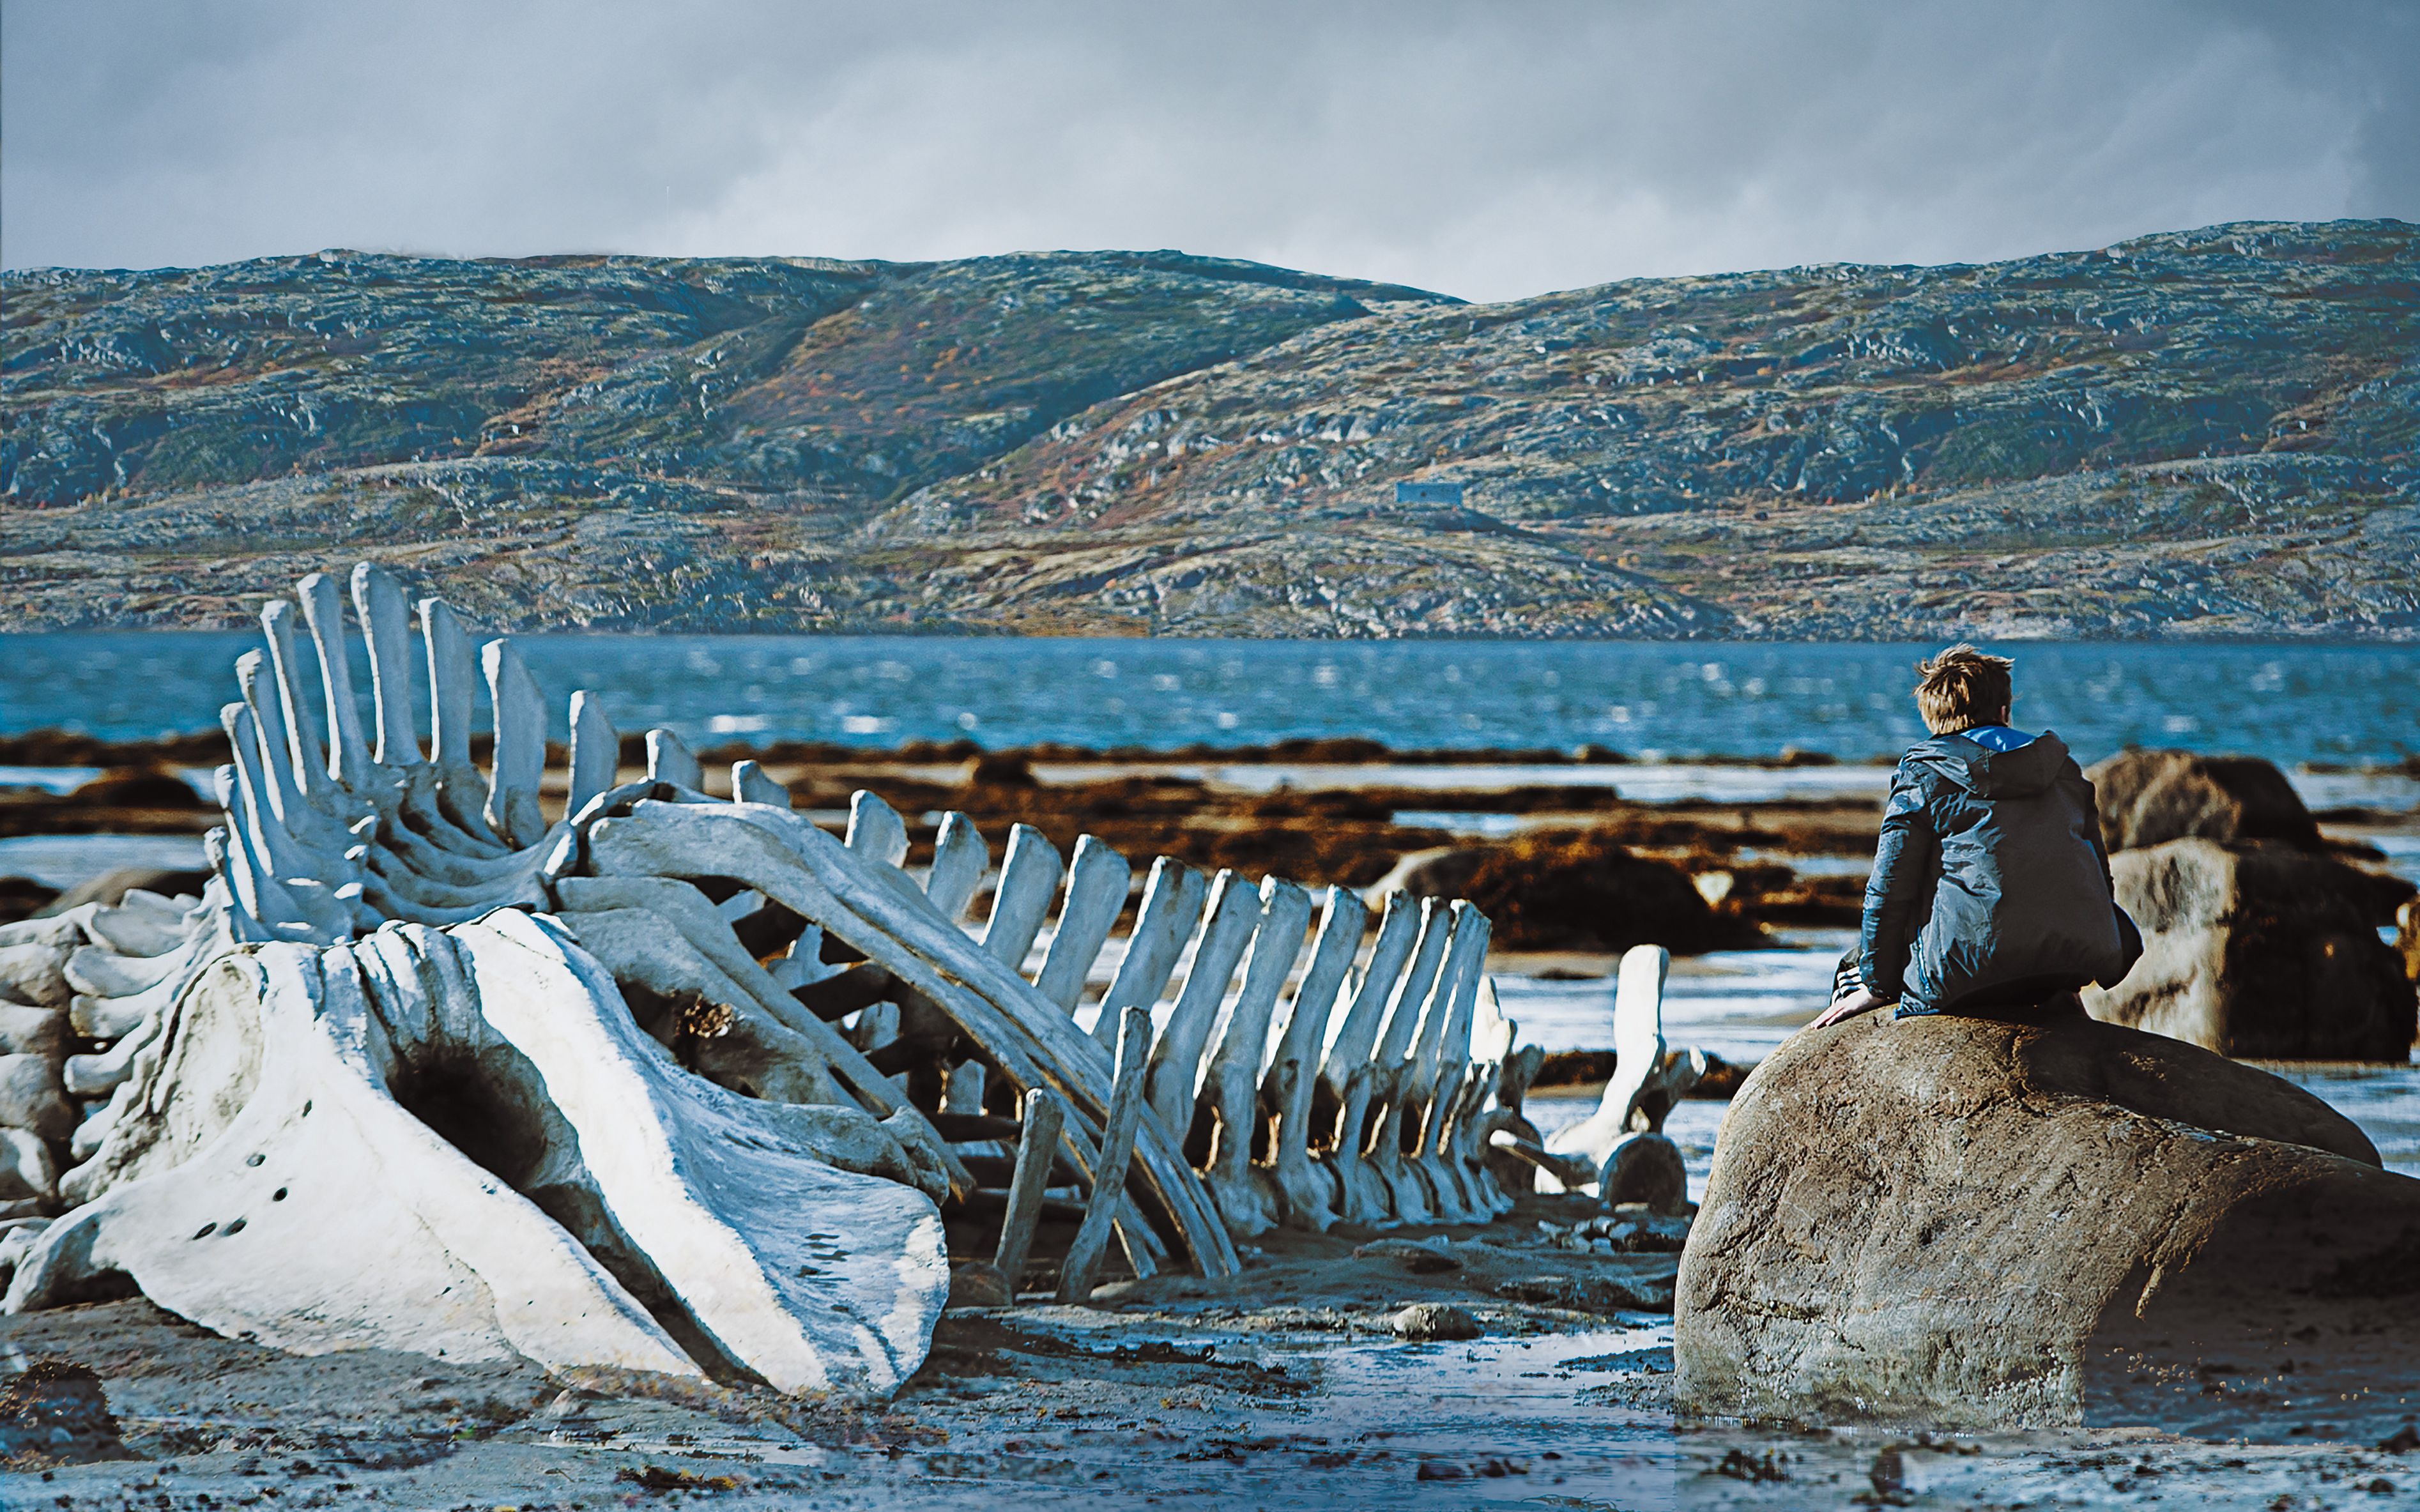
1735	850
58	746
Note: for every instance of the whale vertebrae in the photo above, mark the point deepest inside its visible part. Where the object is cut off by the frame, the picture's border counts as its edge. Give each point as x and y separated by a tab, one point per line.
681	1083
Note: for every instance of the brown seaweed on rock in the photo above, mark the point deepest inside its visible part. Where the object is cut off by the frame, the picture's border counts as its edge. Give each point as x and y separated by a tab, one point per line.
1562	889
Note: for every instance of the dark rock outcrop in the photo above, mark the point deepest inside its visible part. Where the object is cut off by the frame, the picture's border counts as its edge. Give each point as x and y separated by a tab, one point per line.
1973	1222
1573	889
2256	941
2261	950
2152	797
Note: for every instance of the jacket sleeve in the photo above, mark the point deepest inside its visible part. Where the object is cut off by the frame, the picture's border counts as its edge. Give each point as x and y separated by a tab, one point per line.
2130	939
1902	864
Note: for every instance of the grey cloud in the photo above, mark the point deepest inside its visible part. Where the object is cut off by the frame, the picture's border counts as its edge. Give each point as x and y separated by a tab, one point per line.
1487	150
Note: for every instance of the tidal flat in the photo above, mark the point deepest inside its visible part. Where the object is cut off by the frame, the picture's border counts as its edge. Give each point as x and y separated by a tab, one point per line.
1282	1388
1287	1385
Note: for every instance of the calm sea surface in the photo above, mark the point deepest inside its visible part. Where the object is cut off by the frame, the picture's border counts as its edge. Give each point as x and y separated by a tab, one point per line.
2290	702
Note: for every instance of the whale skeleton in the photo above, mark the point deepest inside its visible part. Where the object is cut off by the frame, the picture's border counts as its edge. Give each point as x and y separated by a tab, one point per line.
676	1082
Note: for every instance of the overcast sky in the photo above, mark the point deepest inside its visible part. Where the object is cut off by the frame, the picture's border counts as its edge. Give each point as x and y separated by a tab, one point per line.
1485	149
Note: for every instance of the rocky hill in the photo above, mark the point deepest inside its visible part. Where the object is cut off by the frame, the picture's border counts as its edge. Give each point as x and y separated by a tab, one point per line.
2211	432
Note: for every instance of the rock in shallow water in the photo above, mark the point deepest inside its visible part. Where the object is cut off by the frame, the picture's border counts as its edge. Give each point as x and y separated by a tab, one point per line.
1434	1320
1980	1224
2149	797
2257	942
1644	1168
2259	949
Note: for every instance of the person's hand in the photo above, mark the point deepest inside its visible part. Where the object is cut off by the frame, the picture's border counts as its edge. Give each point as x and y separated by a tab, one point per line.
1850	1007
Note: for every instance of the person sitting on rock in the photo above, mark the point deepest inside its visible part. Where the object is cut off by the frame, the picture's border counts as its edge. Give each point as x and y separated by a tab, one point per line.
1990	892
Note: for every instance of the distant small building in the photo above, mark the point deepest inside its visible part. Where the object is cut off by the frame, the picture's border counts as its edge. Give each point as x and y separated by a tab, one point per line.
1428	493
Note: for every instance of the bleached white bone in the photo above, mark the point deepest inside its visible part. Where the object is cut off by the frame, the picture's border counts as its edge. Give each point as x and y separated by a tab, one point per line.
323	611
222	1194
749	784
458	795
1306	1192
1097	880
106	1018
758	1217
284	854
133	928
153	910
754	1054
669	759
1345	1071
1124	1117
306	751
1638	1061
1499	1079
1172	901
1445	1064
105	972
451	689
327	839
1370	1195
386	624
277	877
519	760
596	752
274	749
1401	1076
1230	920
683	908
805	869
1231	1082
100	1074
960	858
1037	1149
1029	876
875	829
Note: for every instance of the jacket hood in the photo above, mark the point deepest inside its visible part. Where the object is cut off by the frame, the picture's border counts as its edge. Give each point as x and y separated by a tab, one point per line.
2032	768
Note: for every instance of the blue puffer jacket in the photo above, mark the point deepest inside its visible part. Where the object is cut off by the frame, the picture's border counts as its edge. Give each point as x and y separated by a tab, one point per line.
1990	887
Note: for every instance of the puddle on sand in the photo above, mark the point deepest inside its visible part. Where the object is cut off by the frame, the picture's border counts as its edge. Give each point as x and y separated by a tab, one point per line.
1568	1419
1583	1420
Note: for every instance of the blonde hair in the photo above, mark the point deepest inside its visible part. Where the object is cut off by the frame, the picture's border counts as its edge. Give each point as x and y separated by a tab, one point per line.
1960	689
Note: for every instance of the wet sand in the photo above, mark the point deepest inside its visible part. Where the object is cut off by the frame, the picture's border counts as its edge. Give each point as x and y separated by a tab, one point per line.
1283	1388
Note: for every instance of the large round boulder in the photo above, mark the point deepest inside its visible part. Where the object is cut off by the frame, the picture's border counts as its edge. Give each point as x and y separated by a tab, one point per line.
1973	1222
2262	951
2149	796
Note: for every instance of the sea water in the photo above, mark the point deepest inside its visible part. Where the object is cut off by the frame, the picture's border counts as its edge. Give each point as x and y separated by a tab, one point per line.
2292	703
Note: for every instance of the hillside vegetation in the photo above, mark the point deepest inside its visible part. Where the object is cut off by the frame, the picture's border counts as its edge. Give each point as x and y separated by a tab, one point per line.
2211	432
